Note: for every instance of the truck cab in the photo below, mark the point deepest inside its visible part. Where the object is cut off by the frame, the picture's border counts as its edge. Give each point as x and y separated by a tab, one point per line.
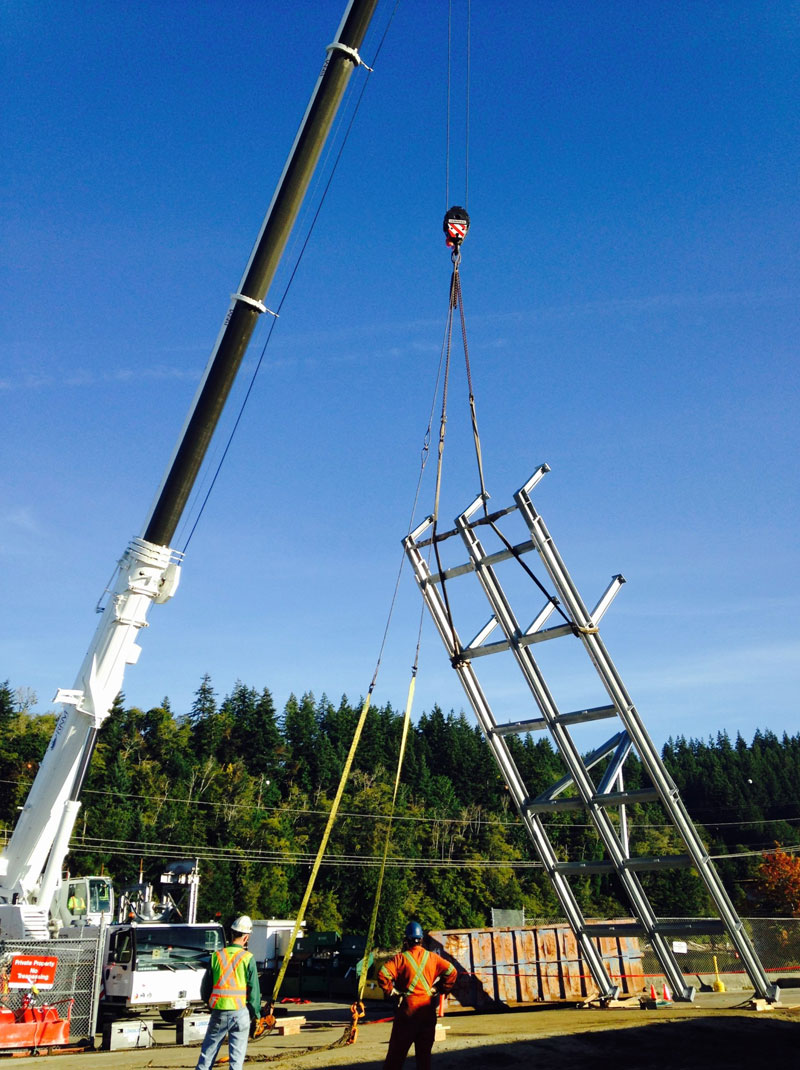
157	966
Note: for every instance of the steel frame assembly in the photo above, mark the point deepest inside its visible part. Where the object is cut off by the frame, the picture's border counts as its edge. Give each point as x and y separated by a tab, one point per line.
593	782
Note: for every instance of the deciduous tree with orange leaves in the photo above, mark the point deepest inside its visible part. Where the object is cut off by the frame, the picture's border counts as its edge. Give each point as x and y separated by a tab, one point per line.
779	881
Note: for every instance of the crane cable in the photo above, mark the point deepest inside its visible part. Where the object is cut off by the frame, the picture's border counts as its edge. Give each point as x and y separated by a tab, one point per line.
468	65
203	496
456	226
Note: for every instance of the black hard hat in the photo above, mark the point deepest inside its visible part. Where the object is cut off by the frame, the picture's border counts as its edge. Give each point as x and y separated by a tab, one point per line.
414	932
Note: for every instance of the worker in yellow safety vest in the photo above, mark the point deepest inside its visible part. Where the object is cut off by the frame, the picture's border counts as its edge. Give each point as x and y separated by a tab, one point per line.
232	991
76	904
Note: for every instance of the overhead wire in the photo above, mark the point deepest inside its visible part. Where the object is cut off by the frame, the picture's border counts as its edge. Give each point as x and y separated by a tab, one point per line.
135	849
475	821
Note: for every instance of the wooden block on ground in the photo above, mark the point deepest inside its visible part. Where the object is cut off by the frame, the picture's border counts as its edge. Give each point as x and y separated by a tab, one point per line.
626	1003
441	1032
289	1026
762	1005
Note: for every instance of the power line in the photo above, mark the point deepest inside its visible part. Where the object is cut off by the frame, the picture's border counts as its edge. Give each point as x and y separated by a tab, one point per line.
136	848
435	819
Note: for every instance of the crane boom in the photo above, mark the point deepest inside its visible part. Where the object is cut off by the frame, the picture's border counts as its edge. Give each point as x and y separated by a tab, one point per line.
149	569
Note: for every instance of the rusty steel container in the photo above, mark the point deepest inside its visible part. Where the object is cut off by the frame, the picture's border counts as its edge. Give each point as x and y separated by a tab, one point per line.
540	964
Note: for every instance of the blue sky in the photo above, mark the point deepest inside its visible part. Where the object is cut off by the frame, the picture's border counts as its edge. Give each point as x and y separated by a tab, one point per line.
630	284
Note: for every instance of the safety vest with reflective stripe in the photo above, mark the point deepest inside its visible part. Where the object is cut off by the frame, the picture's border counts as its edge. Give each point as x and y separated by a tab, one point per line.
230	984
417	974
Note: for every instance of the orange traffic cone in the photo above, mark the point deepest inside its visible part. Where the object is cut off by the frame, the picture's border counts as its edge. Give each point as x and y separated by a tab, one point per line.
667	996
652	992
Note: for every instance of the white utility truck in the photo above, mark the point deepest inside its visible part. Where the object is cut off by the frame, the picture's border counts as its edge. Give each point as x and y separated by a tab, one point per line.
156	966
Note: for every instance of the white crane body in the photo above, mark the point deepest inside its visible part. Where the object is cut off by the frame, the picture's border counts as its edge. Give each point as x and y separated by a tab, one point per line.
149	570
30	866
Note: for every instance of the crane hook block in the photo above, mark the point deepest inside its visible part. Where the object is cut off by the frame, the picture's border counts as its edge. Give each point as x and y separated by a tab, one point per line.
455	226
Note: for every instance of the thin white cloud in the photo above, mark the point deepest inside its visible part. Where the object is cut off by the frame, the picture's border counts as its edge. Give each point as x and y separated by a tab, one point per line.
21	519
18	524
85	377
290	343
647	303
730	609
735	667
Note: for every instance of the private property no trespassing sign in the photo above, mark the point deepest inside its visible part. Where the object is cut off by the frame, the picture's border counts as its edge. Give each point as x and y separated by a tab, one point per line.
29	970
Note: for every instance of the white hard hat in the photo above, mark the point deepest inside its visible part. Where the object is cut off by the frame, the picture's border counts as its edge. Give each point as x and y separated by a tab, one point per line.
243	924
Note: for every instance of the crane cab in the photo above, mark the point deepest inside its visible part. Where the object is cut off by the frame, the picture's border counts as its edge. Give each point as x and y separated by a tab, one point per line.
85	901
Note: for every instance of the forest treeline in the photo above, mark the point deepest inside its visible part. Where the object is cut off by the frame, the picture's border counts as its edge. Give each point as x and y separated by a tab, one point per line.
247	790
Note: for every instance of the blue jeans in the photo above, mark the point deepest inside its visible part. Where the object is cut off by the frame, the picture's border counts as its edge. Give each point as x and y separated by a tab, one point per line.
235	1025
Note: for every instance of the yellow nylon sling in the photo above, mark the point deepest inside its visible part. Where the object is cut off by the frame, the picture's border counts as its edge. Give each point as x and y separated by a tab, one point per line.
362	982
323	844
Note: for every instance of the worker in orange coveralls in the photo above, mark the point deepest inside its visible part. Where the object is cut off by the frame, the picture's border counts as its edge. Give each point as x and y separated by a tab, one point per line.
419	977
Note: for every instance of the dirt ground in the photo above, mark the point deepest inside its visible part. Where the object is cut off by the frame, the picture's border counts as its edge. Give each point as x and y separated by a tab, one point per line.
715	1031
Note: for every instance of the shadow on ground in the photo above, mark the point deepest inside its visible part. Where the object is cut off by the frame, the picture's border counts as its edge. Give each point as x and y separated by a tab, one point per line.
686	1045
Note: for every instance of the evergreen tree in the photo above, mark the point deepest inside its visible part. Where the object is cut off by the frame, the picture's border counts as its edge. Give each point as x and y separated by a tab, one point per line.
301	736
7	710
250	794
208	723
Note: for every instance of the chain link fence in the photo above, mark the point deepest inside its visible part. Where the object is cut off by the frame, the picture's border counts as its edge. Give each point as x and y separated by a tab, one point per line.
776	942
714	958
76	982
